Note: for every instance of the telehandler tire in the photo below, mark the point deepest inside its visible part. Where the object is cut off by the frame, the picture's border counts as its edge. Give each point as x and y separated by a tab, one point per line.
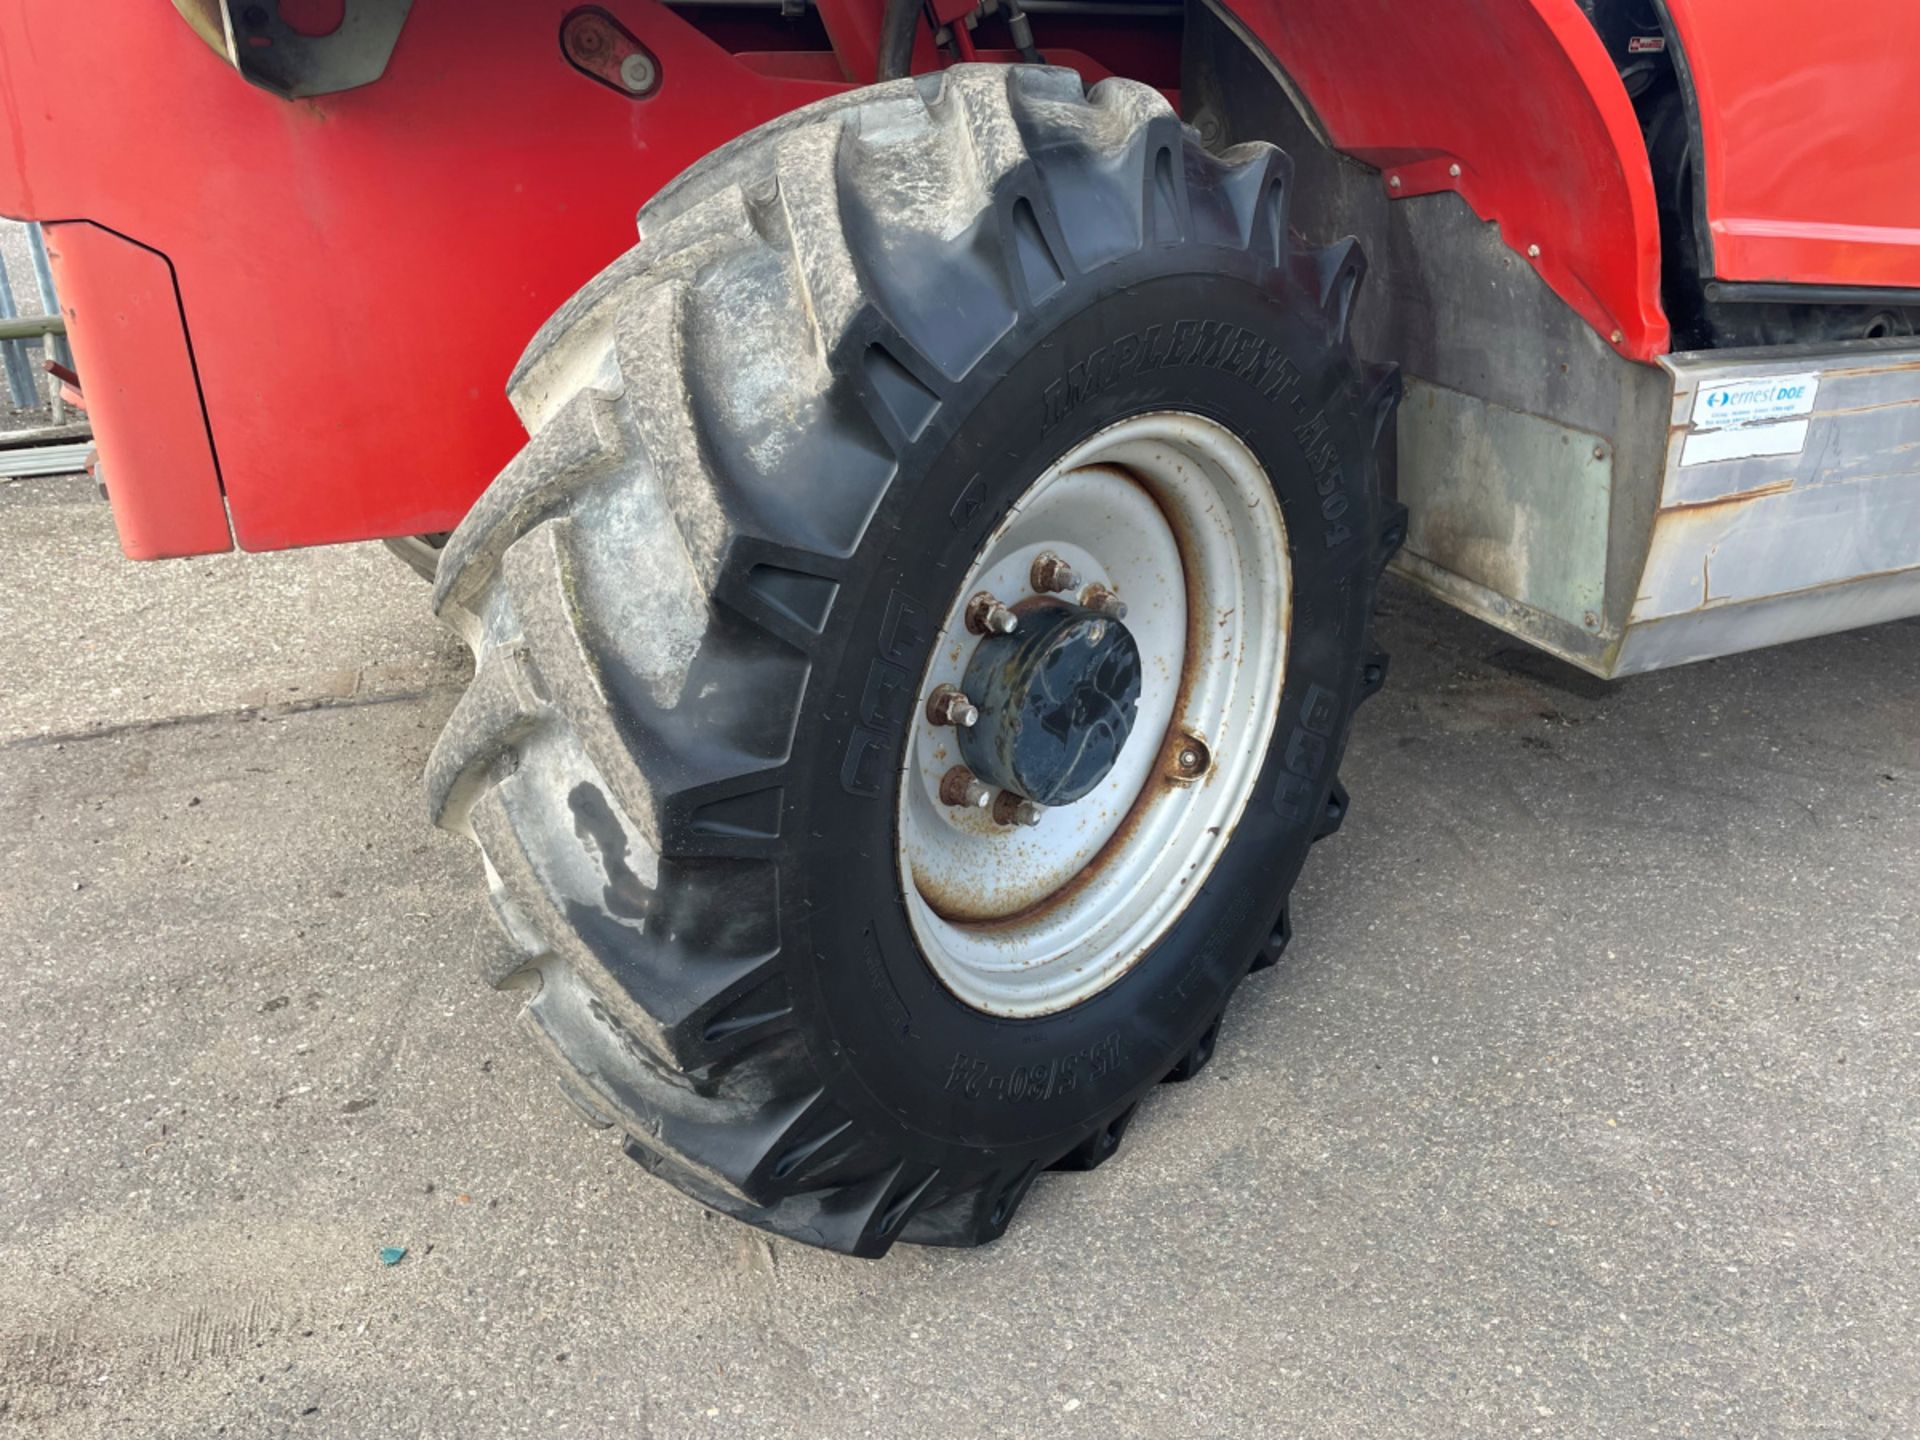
915	646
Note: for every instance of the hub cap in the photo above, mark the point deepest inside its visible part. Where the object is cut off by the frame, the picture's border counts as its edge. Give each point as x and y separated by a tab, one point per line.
1057	701
1126	748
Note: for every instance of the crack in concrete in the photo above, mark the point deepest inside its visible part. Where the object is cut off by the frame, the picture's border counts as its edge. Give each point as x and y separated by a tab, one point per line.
276	711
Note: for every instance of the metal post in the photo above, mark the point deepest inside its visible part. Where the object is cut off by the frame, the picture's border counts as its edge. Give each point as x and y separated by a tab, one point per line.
49	297
19	372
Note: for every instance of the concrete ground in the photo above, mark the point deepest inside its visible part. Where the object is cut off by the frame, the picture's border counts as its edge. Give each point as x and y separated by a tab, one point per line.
1587	1101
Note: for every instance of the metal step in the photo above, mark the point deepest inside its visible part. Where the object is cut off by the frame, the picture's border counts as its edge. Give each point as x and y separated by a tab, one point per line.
44	460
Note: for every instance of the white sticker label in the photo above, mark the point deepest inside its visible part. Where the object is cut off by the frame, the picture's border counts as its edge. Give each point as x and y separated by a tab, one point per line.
1750	417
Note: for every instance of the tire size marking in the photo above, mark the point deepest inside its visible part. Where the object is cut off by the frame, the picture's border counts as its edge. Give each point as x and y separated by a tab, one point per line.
977	1079
1209	344
1329	478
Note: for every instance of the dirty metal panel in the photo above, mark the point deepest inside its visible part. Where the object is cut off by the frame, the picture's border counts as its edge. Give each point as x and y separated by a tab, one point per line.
1773	620
1512	502
1822	538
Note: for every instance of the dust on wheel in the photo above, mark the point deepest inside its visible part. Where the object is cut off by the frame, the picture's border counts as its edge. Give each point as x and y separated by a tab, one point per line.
915	647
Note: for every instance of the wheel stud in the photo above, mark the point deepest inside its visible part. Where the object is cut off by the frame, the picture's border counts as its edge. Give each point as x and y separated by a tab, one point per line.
987	616
950	706
1102	601
1051	574
959	787
1013	809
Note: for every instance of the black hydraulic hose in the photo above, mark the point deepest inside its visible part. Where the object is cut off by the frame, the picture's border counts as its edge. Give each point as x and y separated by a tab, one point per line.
898	24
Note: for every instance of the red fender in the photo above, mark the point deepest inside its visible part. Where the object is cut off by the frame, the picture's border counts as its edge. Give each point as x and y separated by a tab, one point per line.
1520	96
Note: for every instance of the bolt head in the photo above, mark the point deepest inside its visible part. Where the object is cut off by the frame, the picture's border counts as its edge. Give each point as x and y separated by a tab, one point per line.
948	706
1051	574
1191	759
1454	170
638	72
987	616
1393	181
1533	252
960	787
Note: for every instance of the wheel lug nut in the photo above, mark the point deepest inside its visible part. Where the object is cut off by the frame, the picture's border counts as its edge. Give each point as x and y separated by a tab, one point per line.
1102	601
1051	574
987	616
959	787
1010	808
949	706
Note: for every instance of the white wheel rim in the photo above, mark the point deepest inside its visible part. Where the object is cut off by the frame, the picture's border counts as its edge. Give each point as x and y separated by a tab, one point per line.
1175	515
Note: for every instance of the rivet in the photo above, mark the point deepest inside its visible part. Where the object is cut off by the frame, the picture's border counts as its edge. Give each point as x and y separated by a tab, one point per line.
1533	252
1454	170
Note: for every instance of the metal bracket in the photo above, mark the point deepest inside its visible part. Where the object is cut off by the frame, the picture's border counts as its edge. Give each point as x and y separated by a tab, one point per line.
268	51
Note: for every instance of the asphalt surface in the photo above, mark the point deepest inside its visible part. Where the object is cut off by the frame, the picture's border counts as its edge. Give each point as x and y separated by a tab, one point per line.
1587	1101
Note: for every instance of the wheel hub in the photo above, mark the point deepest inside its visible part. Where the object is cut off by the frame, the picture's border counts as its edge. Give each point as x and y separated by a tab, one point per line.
1057	701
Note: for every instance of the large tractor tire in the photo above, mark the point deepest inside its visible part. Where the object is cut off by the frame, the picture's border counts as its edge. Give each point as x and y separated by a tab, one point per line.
973	398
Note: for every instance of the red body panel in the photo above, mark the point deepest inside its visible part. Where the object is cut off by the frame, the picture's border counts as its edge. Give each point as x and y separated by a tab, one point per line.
358	273
123	318
1809	130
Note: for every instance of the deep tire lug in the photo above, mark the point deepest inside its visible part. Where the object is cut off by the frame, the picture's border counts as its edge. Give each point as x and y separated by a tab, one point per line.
1100	1146
1373	674
1336	811
1195	1060
1268	955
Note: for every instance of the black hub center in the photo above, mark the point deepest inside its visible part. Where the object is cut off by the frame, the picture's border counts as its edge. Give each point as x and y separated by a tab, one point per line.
1057	700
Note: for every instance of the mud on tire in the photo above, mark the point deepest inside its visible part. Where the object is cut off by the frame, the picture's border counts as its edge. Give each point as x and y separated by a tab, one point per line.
763	447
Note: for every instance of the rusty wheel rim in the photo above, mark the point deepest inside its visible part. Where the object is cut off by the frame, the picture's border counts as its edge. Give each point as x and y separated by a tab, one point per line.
1173	514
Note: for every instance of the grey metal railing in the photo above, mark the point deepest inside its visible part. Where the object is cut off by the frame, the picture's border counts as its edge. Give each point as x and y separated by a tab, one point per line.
21	334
